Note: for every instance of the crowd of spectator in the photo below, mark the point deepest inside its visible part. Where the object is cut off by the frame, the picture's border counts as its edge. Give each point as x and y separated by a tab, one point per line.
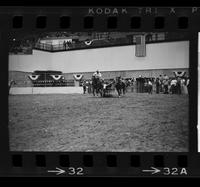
22	45
162	84
159	85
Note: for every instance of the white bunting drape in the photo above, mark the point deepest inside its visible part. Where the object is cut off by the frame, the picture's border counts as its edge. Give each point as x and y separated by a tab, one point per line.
33	77
179	73
78	76
88	42
56	77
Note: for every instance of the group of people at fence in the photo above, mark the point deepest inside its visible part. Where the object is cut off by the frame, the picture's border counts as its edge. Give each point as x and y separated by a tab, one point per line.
161	84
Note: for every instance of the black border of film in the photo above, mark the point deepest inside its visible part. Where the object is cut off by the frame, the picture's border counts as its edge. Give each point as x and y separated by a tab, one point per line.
129	164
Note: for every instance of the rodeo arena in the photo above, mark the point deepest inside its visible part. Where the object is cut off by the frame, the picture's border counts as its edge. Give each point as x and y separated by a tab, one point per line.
99	91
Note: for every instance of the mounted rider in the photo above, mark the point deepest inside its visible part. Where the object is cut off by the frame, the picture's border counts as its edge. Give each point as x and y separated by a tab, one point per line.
97	74
97	82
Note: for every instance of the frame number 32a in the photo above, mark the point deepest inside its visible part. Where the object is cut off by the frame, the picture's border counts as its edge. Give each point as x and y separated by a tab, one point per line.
174	171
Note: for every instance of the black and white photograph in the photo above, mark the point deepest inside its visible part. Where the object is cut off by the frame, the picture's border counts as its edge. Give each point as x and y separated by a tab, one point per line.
99	91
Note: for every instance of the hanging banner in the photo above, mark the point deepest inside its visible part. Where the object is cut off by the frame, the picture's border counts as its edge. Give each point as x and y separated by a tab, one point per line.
179	73
140	47
33	77
56	77
78	77
88	42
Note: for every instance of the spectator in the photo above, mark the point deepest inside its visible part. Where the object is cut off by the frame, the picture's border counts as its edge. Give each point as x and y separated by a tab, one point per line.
132	84
165	77
150	86
183	86
69	44
173	85
65	45
178	85
157	85
166	84
161	83
188	85
139	84
84	86
89	86
142	84
149	37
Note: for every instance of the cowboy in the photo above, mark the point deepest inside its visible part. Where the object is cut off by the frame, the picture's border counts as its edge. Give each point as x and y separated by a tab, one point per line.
97	74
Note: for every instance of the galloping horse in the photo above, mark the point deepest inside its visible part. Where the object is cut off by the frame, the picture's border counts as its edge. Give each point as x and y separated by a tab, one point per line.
120	86
97	85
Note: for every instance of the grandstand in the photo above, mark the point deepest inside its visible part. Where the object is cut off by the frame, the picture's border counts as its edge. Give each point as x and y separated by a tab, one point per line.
54	41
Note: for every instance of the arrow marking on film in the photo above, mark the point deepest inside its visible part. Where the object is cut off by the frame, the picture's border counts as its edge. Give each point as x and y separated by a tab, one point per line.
58	171
152	170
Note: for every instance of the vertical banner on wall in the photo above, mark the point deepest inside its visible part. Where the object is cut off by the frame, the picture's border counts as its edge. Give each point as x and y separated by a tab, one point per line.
140	47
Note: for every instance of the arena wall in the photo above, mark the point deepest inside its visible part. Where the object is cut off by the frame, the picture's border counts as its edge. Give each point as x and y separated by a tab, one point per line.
171	55
131	73
45	90
22	80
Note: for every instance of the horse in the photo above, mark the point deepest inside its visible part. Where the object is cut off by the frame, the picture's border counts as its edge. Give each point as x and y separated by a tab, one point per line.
125	84
120	86
97	86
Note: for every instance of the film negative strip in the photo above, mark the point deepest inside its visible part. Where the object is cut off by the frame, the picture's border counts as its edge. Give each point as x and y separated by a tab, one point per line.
99	91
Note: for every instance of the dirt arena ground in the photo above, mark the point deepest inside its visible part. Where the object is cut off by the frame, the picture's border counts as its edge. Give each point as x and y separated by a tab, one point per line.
74	122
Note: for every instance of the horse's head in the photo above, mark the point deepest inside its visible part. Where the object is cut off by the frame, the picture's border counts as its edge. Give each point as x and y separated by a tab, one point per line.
118	79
